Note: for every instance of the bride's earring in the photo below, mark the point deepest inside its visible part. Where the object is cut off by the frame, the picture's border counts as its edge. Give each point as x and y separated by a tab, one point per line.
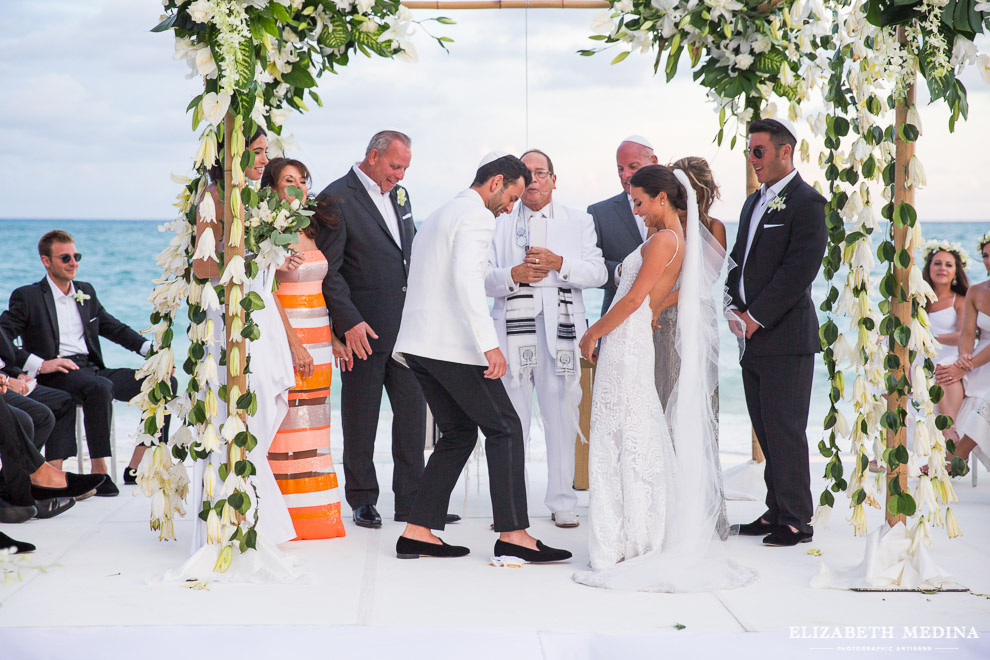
954	281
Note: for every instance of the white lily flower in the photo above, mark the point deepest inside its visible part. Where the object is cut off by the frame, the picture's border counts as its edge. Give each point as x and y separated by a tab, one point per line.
963	52
209	481
924	495
858	520
232	427
209	439
168	296
212	527
921	535
922	442
214	108
952	524
841	424
209	299
601	23
863	256
206	153
769	110
158	505
208	211
228	515
842	351
786	75
983	62
860	394
234	271
206	246
234	297
234	365
916	174
206	371
820	519
211	403
180	179
183	437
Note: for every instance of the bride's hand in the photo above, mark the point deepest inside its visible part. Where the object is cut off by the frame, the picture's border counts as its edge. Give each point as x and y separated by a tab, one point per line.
587	347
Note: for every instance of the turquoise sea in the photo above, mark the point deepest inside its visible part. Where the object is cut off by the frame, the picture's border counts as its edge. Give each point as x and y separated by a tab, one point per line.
119	260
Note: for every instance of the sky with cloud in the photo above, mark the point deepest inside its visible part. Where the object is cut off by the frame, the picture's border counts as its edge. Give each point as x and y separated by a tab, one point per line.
93	120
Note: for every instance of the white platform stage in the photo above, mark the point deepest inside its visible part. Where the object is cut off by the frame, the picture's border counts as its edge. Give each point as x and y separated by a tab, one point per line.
97	597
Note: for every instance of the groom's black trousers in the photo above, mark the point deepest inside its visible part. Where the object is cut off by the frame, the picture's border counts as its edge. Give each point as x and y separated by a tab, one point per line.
462	400
778	395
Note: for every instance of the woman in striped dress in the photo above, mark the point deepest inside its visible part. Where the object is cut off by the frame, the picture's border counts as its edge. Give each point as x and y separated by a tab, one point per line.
300	454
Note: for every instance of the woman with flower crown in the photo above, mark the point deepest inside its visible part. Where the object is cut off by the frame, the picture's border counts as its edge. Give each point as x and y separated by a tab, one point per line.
973	421
945	271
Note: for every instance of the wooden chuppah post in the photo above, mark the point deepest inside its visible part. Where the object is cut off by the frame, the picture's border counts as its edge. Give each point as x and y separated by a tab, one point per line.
235	344
903	193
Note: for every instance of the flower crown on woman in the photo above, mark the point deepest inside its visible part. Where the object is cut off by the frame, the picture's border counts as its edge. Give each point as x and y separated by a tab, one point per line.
984	240
947	246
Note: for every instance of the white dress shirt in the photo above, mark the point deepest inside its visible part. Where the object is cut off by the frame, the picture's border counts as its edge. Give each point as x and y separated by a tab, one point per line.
767	195
383	202
71	340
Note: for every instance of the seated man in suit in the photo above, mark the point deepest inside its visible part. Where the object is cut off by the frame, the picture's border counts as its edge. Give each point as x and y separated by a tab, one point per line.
45	411
619	231
30	487
60	323
542	256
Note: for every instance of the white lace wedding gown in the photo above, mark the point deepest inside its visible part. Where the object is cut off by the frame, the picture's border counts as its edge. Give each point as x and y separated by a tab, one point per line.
655	488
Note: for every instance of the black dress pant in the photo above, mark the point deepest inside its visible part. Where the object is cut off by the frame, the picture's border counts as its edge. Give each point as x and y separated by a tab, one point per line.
462	400
778	395
94	389
19	457
360	402
52	414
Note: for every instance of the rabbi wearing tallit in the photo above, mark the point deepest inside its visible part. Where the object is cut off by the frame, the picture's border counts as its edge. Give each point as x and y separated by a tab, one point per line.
543	255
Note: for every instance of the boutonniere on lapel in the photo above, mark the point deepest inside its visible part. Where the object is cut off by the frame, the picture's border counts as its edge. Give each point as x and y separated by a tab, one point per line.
81	297
400	195
777	204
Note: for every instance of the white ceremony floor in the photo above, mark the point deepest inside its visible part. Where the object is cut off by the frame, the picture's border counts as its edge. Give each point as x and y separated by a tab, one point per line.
95	598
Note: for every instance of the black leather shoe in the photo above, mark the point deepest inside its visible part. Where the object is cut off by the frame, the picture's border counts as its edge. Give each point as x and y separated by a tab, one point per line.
130	476
366	515
53	507
784	537
14	513
404	517
7	543
107	489
76	485
541	555
413	549
755	528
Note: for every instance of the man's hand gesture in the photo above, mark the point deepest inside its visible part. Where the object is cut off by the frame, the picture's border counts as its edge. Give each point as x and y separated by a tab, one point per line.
357	339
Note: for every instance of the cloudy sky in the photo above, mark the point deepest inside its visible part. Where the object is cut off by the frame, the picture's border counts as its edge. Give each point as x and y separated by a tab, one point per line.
92	116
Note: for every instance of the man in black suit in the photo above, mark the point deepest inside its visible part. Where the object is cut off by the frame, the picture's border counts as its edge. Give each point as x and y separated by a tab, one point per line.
60	322
619	231
365	289
778	252
44	411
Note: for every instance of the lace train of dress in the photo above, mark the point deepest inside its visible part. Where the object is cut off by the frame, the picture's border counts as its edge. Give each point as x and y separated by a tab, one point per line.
656	493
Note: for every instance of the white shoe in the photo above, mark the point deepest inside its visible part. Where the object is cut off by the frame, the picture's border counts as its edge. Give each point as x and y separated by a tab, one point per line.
565	519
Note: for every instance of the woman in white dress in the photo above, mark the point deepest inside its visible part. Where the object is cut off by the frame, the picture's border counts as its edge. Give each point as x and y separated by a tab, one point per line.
945	272
653	512
270	379
973	369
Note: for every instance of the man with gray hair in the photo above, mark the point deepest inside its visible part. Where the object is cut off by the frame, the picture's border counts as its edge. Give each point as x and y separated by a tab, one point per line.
619	231
367	247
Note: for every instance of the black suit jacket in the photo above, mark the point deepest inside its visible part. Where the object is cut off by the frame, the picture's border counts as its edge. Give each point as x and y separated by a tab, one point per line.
31	316
12	356
366	278
618	235
784	260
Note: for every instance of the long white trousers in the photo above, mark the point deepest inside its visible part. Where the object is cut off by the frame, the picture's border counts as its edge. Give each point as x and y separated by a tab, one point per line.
559	400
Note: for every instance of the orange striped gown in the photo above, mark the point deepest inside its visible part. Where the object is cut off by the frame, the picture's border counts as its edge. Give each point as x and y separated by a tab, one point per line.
300	454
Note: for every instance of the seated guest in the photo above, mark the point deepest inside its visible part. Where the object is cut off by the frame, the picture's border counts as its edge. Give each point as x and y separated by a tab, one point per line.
49	412
60	323
29	487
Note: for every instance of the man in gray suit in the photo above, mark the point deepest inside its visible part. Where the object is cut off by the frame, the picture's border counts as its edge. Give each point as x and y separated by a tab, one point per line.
367	250
619	231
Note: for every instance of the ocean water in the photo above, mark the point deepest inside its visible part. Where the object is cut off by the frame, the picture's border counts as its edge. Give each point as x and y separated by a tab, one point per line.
119	260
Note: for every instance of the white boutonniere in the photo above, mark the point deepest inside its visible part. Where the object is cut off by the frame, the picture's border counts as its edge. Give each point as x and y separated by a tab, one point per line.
777	204
400	196
81	296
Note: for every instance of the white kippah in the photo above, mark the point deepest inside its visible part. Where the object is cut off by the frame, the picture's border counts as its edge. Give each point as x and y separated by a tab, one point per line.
491	157
786	124
639	139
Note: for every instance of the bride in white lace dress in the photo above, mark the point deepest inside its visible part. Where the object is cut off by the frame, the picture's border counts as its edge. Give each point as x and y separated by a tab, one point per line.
653	511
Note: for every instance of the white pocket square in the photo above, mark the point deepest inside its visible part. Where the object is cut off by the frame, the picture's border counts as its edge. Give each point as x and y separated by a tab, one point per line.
772	226
407	215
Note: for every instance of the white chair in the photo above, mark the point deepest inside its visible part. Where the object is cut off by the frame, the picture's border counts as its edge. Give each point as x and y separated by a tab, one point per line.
81	443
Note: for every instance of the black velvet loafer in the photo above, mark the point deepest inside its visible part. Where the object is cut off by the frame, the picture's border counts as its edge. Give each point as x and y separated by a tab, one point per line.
14	513
413	549
542	555
76	485
53	507
7	543
783	537
755	528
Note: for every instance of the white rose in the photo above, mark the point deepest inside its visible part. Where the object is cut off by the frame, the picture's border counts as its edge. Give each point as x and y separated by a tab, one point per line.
200	11
744	61
364	6
601	23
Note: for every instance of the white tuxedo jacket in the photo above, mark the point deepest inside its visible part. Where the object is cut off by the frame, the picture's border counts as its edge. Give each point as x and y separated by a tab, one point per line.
570	234
445	316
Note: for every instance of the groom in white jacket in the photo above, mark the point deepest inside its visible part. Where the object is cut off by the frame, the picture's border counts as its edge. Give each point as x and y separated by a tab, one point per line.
543	255
448	340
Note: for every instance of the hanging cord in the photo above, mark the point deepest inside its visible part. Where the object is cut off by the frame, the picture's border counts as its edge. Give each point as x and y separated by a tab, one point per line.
526	67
